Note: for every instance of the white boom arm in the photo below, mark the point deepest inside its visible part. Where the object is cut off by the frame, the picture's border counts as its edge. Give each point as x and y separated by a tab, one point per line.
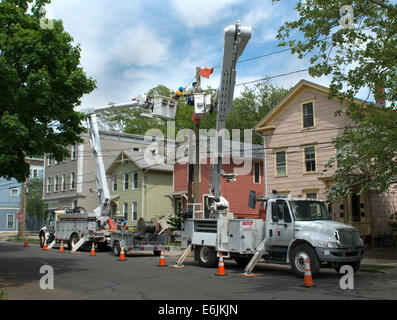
236	39
100	174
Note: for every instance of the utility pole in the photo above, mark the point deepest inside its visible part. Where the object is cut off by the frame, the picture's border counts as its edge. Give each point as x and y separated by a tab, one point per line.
197	162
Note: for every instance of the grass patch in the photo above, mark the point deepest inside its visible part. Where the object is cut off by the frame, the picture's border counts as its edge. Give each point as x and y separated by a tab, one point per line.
3	295
30	240
371	267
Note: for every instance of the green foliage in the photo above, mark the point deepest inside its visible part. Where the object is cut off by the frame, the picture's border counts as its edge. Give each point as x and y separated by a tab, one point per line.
176	222
364	57
40	84
3	295
253	105
34	204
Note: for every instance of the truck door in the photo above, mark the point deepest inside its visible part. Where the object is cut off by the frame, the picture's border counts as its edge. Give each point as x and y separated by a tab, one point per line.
281	229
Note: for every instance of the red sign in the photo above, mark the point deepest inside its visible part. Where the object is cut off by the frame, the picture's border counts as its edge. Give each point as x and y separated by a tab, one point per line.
20	216
247	223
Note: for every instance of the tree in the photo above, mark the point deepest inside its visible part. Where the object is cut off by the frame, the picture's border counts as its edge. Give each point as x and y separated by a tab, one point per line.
359	55
40	84
34	204
253	105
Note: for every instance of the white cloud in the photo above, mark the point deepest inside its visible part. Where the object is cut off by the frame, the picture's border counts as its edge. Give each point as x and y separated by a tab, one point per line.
140	46
201	13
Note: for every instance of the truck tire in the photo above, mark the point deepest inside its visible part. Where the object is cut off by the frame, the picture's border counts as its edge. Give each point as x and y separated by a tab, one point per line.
206	256
354	265
73	240
116	248
242	261
42	240
298	257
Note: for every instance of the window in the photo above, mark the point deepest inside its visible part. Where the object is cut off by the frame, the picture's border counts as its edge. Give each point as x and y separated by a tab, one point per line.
283	212
311	195
72	180
10	221
257	172
126	181
56	184
135	181
114	183
134	211
308	115
310	159
63	182
73	153
14	192
48	185
49	161
34	173
281	163
125	210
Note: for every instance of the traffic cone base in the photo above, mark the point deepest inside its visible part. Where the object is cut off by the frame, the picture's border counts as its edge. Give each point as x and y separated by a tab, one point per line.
45	245
92	253
122	254
162	260
308	280
221	267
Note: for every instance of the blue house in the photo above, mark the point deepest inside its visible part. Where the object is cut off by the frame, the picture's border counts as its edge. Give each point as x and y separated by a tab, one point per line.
10	199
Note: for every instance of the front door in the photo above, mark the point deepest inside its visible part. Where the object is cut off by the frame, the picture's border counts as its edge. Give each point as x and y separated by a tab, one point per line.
283	229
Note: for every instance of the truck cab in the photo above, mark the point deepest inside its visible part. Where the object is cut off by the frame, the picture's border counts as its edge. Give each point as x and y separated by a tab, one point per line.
298	228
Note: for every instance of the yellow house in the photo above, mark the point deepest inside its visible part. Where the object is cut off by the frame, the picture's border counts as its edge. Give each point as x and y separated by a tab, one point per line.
298	135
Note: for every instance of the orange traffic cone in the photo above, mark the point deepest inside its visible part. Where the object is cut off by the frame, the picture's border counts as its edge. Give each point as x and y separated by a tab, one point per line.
26	243
45	244
221	266
162	259
307	280
122	255
92	253
61	249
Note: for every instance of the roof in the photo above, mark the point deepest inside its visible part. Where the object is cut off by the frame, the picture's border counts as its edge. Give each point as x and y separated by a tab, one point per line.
264	123
142	161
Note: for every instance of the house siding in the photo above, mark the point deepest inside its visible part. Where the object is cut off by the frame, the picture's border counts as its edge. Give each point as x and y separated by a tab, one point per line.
285	131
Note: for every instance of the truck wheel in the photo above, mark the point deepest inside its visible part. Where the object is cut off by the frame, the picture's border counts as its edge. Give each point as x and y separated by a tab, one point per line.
42	237
73	240
116	248
206	256
354	265
242	261
298	257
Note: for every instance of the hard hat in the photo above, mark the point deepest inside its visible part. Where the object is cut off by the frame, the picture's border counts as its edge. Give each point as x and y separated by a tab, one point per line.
180	89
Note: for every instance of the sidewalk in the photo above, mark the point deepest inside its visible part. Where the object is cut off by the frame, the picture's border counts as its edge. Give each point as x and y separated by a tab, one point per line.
4	236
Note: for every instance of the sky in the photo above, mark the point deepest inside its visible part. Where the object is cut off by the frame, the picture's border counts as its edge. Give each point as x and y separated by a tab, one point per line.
131	46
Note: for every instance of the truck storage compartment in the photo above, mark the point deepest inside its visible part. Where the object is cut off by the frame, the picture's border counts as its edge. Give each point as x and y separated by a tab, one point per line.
245	235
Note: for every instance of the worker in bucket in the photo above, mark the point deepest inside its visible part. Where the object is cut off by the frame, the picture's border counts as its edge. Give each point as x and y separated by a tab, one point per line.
179	93
195	89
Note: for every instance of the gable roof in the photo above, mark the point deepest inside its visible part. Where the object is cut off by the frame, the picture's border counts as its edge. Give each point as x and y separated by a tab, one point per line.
139	159
263	124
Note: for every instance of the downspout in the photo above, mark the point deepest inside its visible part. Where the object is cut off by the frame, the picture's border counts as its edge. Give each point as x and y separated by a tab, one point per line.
143	192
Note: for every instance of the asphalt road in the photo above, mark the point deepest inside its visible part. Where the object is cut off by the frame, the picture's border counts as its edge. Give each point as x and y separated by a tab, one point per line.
79	276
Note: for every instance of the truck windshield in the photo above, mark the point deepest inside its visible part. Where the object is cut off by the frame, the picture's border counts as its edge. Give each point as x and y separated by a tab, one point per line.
309	210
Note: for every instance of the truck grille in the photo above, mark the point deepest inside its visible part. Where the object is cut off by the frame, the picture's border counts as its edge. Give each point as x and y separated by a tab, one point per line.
349	238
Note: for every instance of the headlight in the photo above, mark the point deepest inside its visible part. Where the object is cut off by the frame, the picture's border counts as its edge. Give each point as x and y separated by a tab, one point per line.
328	244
